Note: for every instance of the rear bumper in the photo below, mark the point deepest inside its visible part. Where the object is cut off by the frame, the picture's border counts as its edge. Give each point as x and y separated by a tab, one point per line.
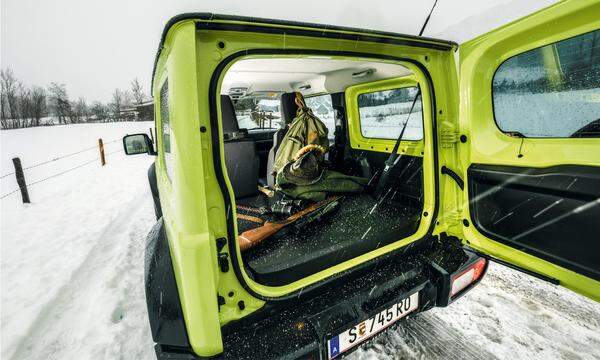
301	327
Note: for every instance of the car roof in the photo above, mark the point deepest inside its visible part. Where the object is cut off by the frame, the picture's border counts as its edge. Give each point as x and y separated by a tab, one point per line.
244	23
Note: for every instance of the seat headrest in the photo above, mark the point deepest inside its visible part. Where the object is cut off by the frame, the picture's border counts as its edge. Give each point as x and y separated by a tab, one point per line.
288	107
230	124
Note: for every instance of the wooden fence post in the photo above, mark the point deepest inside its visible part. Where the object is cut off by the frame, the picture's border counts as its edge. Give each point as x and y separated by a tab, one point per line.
21	180
101	146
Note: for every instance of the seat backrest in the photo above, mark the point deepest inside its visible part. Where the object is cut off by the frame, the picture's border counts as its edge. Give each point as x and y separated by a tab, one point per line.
230	124
241	158
288	107
231	128
288	113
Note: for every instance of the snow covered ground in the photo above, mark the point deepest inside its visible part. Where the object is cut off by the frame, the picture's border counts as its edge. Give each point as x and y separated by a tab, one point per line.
509	315
72	270
72	260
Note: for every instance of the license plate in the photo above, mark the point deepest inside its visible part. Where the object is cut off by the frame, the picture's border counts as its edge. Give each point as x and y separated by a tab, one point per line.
368	328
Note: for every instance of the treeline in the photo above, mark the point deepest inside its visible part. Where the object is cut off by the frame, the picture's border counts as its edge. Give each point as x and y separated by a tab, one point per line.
25	106
567	81
386	97
576	66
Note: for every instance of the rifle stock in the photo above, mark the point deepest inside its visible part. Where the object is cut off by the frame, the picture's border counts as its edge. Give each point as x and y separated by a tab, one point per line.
253	237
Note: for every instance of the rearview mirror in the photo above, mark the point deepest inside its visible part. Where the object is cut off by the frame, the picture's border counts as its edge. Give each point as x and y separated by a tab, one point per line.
138	144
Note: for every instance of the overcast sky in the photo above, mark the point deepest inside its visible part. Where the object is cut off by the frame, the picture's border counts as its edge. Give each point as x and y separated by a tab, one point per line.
95	46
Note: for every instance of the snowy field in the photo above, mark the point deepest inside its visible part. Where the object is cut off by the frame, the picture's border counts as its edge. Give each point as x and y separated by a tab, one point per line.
72	260
388	126
72	270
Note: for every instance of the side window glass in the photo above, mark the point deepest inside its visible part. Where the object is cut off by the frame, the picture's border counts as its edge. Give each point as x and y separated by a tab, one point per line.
166	128
383	114
322	107
552	91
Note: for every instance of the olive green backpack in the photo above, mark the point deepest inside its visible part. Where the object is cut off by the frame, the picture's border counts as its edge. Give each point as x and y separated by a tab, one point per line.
305	129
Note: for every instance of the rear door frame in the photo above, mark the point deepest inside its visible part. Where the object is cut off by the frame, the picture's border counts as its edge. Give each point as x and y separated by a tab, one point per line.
195	51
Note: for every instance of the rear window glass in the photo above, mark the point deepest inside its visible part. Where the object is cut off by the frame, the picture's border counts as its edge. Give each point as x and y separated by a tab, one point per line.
552	91
383	114
258	113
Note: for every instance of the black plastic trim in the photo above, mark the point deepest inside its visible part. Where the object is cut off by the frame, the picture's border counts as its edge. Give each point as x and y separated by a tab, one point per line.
318	30
204	25
154	190
163	352
212	94
454	176
549	279
162	297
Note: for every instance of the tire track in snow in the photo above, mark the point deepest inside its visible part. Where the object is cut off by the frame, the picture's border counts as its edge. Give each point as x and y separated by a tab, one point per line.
79	319
422	336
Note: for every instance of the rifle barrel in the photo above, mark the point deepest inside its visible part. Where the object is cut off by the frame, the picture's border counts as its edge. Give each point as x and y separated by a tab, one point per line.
253	237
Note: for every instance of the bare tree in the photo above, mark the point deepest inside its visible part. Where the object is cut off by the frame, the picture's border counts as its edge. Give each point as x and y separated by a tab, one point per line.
80	110
127	99
99	111
3	102
21	106
6	82
38	104
137	92
116	104
9	86
24	106
60	104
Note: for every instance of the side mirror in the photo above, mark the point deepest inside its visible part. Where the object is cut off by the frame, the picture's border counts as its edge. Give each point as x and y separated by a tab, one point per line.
138	144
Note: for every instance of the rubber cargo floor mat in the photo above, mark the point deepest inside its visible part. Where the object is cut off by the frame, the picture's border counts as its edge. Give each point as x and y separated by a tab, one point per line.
359	226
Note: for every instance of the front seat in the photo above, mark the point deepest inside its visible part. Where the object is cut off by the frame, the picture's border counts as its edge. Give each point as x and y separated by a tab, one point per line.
240	153
288	113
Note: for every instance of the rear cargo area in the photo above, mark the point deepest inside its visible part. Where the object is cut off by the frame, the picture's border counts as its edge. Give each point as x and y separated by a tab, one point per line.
354	110
361	224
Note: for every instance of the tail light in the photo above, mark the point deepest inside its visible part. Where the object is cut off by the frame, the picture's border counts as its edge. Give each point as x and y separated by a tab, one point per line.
467	276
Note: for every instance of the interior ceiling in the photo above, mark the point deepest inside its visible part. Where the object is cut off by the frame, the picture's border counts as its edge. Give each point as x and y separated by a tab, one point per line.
291	74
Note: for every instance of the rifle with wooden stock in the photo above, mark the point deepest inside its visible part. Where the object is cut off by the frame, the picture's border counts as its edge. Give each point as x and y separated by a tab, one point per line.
253	237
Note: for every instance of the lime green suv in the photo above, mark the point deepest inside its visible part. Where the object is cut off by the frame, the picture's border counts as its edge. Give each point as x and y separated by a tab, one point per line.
496	149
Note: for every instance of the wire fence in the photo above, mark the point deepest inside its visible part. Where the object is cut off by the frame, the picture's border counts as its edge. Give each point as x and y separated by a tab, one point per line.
61	172
95	147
